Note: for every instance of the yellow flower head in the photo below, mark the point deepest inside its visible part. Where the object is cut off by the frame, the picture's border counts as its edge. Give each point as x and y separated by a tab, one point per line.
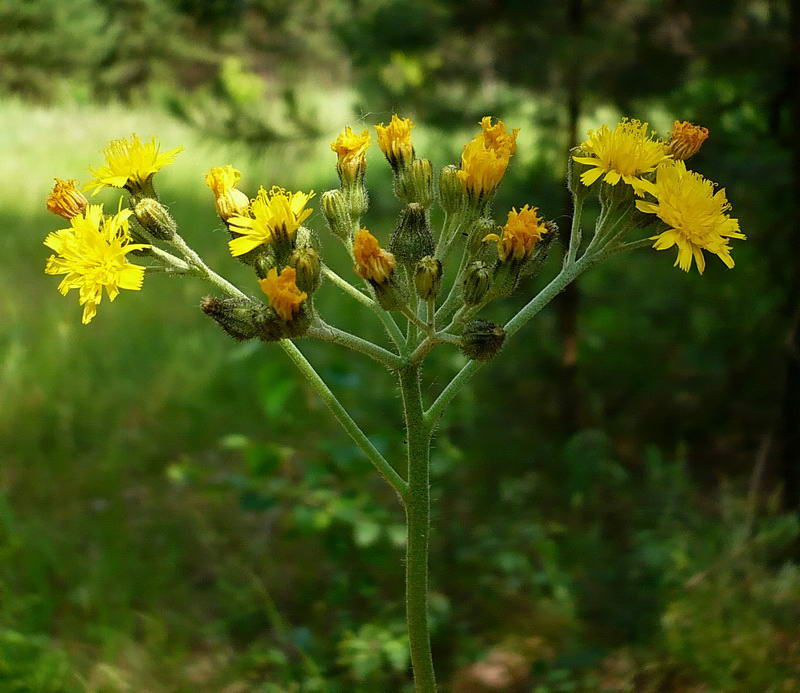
281	289
66	200
130	164
228	199
92	255
394	140
522	231
351	149
626	153
485	158
373	263
696	214
274	215
686	139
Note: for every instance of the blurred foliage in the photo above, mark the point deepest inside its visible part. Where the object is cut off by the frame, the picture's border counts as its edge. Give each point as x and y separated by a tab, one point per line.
169	527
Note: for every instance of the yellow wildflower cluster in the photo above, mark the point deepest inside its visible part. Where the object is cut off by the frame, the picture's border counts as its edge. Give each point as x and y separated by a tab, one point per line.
485	158
695	212
522	231
273	215
130	163
373	263
91	253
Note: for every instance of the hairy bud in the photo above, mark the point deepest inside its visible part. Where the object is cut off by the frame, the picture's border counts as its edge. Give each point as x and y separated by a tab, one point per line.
307	265
428	277
155	218
476	283
482	339
412	239
452	192
415	184
241	319
336	210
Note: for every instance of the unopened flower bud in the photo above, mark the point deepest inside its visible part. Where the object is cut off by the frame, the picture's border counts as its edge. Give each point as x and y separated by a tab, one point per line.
337	214
357	200
412	239
482	339
66	200
307	265
155	218
481	228
240	318
476	283
415	184
428	277
452	191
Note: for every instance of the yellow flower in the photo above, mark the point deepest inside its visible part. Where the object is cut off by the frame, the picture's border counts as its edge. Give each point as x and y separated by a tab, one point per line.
696	214
372	262
394	140
228	200
281	289
485	158
522	231
626	153
686	139
351	150
91	253
66	200
273	215
130	164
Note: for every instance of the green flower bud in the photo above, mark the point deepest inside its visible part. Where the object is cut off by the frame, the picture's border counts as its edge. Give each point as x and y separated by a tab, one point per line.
357	200
240	318
336	210
415	184
428	277
155	218
412	239
476	246
307	265
452	192
482	339
476	283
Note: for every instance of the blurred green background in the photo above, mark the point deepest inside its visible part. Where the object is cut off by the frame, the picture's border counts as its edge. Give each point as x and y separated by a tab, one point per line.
616	497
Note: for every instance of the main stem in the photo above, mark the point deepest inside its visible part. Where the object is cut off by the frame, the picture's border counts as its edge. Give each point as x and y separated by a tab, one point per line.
418	522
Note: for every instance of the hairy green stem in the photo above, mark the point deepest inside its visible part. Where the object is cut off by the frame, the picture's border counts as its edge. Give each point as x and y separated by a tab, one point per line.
328	333
388	322
418	524
547	294
345	420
